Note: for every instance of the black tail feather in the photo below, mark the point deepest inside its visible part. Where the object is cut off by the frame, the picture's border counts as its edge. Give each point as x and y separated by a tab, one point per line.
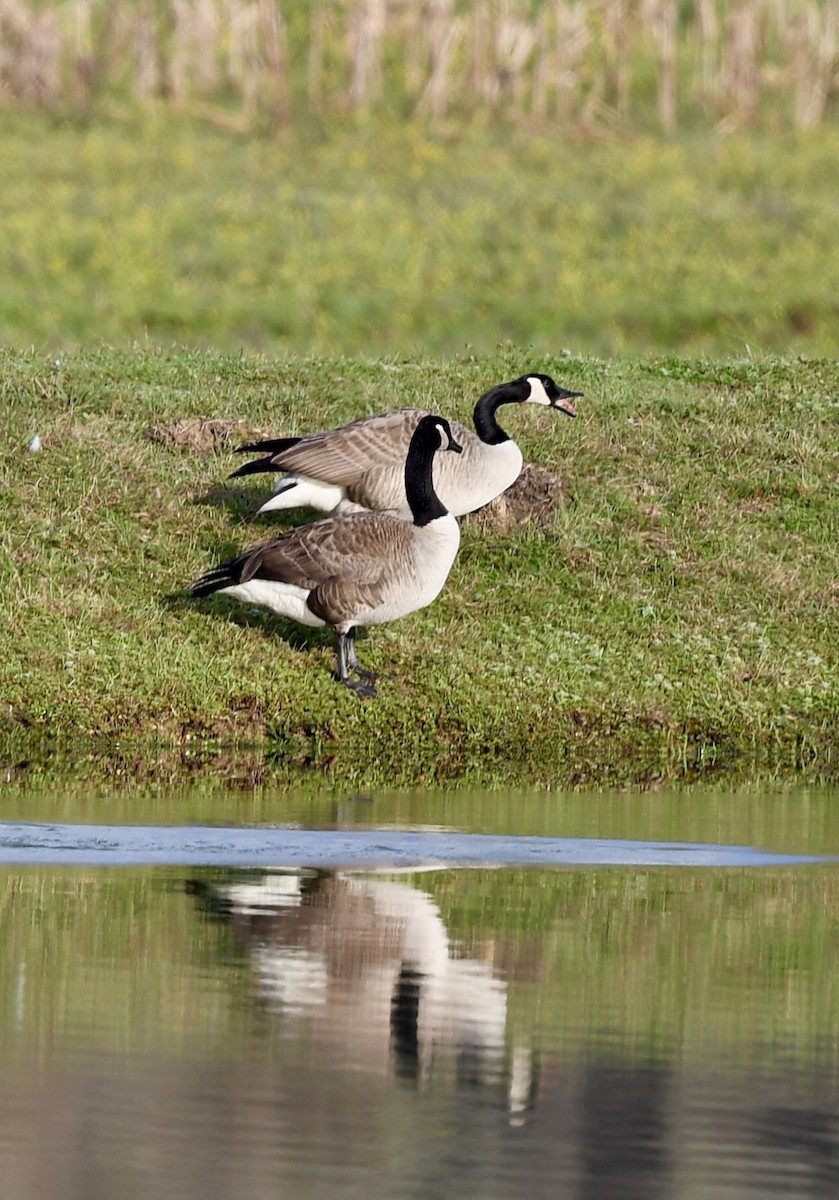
235	570
271	445
254	468
220	577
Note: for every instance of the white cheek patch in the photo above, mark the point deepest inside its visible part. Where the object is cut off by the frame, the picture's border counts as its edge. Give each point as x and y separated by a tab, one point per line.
538	395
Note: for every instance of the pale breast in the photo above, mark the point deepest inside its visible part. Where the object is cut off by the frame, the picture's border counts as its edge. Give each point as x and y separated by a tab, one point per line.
416	574
469	480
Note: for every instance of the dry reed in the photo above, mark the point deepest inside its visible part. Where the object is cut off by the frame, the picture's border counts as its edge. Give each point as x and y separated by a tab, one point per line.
583	65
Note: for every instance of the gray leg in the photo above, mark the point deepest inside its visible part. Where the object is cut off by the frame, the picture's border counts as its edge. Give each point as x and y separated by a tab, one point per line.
352	659
347	662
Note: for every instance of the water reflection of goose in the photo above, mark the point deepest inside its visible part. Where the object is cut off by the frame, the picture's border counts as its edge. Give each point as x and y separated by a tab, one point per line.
368	961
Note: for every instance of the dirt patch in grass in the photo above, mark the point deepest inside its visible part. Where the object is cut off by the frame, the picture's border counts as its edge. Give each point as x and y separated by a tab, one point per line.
534	497
199	435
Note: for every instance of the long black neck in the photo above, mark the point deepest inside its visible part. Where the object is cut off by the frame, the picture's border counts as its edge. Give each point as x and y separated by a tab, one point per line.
486	426
423	501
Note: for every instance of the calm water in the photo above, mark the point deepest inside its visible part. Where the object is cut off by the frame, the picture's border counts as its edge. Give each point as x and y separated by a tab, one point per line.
426	995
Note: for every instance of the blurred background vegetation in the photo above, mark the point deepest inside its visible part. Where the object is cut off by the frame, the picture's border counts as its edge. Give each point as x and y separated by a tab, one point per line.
383	177
590	66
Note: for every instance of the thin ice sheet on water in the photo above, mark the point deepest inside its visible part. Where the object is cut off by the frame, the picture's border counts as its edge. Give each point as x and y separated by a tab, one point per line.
134	845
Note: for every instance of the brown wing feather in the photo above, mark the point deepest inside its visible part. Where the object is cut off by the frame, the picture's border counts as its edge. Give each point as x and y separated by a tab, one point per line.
382	487
340	456
352	548
337	599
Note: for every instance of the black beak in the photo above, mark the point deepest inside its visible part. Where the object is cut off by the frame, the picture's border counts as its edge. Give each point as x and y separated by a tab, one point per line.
453	445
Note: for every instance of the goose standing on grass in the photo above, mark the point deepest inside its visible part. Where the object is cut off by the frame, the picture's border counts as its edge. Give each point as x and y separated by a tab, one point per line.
356	568
360	466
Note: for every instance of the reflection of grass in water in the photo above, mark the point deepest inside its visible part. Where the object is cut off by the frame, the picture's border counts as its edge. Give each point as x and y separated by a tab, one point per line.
784	817
385	241
667	961
116	958
661	960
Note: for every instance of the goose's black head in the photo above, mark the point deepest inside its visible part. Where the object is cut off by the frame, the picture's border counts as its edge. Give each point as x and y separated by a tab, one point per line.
541	389
431	434
527	389
435	433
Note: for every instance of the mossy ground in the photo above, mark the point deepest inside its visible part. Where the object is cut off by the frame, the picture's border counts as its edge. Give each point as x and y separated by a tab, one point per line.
680	611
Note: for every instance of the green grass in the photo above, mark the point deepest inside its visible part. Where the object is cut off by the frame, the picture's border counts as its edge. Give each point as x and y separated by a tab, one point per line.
680	611
385	241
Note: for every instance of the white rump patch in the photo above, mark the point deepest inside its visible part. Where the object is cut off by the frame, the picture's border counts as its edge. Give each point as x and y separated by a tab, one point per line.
282	598
297	491
538	395
292	976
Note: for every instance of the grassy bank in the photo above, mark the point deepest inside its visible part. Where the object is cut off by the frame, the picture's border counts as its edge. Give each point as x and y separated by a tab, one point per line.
678	610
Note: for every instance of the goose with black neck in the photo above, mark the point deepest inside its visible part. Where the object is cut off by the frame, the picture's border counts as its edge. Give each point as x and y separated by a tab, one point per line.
355	568
359	466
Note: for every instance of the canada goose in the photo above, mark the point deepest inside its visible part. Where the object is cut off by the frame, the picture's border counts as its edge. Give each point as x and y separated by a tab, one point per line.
358	568
360	465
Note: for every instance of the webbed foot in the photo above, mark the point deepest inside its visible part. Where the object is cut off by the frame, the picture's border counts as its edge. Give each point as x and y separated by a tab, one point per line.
363	673
359	686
